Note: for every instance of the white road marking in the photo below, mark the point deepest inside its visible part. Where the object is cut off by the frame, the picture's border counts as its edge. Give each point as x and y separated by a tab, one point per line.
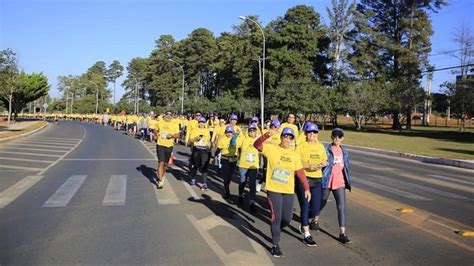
52	141
109	159
394	182
20	168
65	193
25	153
53	138
454	179
167	194
238	257
35	145
438	182
390	189
30	149
372	166
13	192
25	160
191	190
116	190
47	143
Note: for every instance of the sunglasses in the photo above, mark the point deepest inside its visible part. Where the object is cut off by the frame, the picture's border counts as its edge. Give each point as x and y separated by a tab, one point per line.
288	136
252	130
168	114
197	115
312	131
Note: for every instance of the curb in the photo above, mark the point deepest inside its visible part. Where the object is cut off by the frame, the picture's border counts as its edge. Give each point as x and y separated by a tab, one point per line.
425	159
24	134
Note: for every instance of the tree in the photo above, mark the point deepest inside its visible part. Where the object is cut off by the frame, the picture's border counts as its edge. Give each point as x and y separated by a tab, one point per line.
29	88
393	43
8	78
113	73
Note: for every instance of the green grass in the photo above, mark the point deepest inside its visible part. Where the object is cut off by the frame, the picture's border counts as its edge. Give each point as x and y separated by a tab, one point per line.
429	141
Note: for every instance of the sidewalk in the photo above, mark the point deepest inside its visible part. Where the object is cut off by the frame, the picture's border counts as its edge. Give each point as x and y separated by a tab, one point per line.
20	128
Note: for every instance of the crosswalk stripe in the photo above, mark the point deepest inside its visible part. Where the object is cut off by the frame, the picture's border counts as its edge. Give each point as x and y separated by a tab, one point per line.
47	143
26	153
439	182
454	179
393	182
13	192
390	189
116	190
65	193
52	141
21	168
30	149
53	138
36	145
166	195
25	160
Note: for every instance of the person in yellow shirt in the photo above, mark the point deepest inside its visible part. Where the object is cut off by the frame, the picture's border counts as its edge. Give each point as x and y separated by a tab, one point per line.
248	164
200	139
233	122
166	132
272	140
313	157
254	121
290	122
191	125
226	146
283	163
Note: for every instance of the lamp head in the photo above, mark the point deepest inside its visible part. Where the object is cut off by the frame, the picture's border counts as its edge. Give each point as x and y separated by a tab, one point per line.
243	17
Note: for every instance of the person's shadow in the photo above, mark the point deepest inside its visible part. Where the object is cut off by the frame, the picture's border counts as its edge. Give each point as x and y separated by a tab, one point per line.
149	173
236	218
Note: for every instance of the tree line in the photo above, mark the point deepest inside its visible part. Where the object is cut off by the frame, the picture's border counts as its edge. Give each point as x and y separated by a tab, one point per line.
369	60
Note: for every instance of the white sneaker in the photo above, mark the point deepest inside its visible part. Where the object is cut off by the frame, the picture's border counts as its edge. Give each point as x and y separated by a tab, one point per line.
161	183
259	187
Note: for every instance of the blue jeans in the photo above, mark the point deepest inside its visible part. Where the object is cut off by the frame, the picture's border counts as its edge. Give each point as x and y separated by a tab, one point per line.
228	169
252	175
309	209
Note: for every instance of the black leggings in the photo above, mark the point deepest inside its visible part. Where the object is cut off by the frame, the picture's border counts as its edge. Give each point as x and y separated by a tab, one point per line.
200	161
340	196
281	211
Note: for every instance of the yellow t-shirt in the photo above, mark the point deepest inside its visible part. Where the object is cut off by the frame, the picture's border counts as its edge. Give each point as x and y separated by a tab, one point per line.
189	128
165	128
275	139
219	131
312	153
281	168
301	139
248	157
205	141
226	149
236	128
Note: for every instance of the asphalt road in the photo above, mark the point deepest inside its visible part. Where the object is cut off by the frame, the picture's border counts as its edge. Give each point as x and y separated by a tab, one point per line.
83	194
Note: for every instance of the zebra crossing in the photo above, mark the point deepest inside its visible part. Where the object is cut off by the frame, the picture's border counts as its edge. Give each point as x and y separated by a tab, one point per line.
425	188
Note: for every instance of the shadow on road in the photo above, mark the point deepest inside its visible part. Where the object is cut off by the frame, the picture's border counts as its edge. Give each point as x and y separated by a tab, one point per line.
149	173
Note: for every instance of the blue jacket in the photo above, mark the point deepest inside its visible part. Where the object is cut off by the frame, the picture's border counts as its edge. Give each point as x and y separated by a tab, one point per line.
328	169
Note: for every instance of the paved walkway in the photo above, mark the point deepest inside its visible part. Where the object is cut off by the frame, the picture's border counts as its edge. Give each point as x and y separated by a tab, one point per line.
15	126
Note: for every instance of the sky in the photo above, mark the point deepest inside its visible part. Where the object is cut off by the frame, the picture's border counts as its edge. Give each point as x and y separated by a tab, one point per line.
66	37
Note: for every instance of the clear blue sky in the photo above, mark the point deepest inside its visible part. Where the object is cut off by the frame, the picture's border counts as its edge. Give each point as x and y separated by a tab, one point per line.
65	37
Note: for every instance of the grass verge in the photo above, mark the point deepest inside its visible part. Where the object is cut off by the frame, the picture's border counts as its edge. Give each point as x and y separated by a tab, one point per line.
31	127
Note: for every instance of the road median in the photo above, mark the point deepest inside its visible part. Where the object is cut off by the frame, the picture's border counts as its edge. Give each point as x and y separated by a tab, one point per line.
21	129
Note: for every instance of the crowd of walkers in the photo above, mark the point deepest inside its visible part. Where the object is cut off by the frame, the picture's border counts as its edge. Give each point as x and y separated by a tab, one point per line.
286	160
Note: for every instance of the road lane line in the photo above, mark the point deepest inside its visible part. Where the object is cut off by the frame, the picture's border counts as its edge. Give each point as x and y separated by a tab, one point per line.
390	189
425	221
20	168
372	166
46	143
238	257
29	149
65	193
453	179
167	194
35	146
52	141
64	155
54	138
109	159
394	182
13	192
35	154
190	190
116	191
25	160
438	182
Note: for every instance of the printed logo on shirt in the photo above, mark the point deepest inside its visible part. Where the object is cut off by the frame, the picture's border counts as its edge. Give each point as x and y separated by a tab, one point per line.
285	159
280	175
337	160
314	156
251	158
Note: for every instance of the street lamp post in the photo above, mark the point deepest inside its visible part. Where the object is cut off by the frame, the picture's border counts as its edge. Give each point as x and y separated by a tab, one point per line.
96	99
182	89
262	77
136	96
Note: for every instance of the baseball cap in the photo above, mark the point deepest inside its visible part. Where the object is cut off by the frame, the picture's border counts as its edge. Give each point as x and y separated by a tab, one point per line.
311	127
337	132
233	117
202	119
254	119
288	131
252	126
275	123
229	129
